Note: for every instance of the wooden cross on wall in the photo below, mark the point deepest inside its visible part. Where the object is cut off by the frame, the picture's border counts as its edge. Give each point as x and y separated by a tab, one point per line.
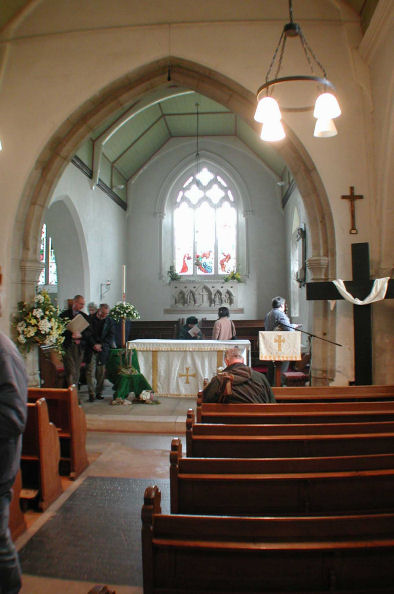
360	287
352	197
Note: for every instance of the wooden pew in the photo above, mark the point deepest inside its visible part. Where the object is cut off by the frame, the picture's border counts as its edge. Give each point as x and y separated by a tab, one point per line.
40	455
194	430
333	393
164	329
284	446
190	554
16	524
258	488
324	412
52	372
70	420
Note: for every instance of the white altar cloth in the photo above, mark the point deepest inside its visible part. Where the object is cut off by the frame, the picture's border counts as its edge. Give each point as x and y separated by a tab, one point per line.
178	367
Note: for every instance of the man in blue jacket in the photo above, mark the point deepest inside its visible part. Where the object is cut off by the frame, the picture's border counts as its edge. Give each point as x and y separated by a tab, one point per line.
13	414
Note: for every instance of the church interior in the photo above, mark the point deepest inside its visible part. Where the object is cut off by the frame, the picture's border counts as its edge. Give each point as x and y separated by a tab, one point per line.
133	169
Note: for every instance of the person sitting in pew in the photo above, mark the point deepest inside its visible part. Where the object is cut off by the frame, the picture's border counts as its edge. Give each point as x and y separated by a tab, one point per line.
190	331
237	383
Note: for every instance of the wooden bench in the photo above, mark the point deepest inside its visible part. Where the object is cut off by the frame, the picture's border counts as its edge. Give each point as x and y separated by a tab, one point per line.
244	490
190	554
275	429
17	523
70	420
285	446
325	412
333	393
164	329
40	456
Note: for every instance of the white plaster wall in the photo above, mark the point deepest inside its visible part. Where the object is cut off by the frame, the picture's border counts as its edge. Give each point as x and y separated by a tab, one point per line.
55	56
265	229
89	234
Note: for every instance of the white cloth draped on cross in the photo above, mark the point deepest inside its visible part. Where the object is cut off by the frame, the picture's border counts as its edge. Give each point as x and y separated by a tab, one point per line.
378	292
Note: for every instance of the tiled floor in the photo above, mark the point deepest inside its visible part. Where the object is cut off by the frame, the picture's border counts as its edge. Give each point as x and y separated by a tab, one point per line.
131	442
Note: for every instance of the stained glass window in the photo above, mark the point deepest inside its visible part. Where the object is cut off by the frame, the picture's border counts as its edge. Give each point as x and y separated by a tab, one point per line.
48	275
205	226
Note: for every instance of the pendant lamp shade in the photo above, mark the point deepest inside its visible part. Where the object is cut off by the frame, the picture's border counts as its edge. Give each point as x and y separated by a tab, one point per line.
325	128
267	110
272	131
327	107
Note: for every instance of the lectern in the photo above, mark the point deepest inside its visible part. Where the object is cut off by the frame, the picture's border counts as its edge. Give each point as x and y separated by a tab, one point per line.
278	347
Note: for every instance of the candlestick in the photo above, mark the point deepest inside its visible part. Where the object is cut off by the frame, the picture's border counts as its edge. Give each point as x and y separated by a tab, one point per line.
124	283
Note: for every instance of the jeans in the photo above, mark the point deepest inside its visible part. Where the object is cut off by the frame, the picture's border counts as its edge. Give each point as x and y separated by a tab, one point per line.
10	571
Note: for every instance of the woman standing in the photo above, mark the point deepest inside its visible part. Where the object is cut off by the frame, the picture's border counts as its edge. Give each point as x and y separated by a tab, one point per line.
223	328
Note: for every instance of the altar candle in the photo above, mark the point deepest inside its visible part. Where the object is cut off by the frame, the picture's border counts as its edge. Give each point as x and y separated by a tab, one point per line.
124	283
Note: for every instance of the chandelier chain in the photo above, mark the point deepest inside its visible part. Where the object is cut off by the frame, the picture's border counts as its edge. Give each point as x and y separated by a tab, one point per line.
309	52
274	56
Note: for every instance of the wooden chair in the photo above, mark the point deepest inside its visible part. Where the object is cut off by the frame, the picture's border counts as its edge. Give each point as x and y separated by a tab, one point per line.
40	456
70	420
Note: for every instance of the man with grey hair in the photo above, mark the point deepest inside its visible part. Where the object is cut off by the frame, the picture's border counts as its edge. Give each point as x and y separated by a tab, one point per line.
101	340
238	383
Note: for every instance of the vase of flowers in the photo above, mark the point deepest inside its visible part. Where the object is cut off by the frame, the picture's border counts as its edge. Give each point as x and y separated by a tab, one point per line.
121	312
233	276
38	324
124	311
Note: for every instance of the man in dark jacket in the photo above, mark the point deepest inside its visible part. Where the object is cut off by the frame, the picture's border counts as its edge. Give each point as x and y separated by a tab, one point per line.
74	342
101	340
238	383
190	330
13	414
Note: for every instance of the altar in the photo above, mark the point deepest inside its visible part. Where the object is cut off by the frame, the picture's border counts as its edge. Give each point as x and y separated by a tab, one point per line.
178	367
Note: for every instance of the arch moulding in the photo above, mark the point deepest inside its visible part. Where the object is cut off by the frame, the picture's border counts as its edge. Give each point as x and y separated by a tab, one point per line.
131	89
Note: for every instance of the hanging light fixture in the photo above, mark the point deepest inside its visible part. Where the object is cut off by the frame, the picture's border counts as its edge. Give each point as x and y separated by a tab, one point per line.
198	181
268	112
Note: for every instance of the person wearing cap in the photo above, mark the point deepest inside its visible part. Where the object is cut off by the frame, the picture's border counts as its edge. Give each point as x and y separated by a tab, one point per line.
190	330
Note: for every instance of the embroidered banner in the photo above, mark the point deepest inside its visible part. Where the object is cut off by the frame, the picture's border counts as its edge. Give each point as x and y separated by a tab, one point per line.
280	346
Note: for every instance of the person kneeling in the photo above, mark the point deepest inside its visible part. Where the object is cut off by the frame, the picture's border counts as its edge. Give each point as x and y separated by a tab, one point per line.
238	383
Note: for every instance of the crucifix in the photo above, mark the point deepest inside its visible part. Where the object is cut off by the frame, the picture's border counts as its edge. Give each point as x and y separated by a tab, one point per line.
352	197
360	287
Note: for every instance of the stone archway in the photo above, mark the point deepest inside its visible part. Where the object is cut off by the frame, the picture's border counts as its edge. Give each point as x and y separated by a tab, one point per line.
131	89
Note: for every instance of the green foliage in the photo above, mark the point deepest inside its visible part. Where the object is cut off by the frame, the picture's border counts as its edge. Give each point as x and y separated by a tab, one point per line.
233	276
173	276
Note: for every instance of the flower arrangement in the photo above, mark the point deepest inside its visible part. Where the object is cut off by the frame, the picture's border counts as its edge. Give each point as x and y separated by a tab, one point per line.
39	323
233	276
124	311
172	274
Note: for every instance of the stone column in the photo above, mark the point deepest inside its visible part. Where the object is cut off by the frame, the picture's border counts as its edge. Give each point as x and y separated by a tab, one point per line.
323	353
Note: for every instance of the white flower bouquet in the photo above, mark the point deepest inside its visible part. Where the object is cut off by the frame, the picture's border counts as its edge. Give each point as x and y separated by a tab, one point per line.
124	311
39	323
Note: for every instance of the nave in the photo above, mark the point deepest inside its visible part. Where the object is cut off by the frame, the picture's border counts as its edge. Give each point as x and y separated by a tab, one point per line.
113	456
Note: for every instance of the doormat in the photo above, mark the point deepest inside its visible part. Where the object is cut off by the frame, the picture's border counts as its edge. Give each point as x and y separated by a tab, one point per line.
96	535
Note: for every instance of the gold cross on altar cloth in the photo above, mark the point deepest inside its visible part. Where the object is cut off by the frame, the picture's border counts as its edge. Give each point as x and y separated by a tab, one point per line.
352	197
187	375
279	340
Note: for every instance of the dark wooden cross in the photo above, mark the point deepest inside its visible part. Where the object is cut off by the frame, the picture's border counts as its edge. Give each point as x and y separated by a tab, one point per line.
360	287
352	197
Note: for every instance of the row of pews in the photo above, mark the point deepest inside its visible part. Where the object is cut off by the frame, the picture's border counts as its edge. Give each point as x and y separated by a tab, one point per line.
54	444
288	497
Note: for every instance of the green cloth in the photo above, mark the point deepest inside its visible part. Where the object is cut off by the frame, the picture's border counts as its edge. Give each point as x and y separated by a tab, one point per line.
124	383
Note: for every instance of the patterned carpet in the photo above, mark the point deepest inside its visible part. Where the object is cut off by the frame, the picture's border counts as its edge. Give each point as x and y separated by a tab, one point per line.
96	535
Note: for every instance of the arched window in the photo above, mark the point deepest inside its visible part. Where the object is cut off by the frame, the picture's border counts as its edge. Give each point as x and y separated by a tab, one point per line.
205	226
48	274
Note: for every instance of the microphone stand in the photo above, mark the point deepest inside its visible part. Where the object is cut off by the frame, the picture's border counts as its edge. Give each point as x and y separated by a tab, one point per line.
310	336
